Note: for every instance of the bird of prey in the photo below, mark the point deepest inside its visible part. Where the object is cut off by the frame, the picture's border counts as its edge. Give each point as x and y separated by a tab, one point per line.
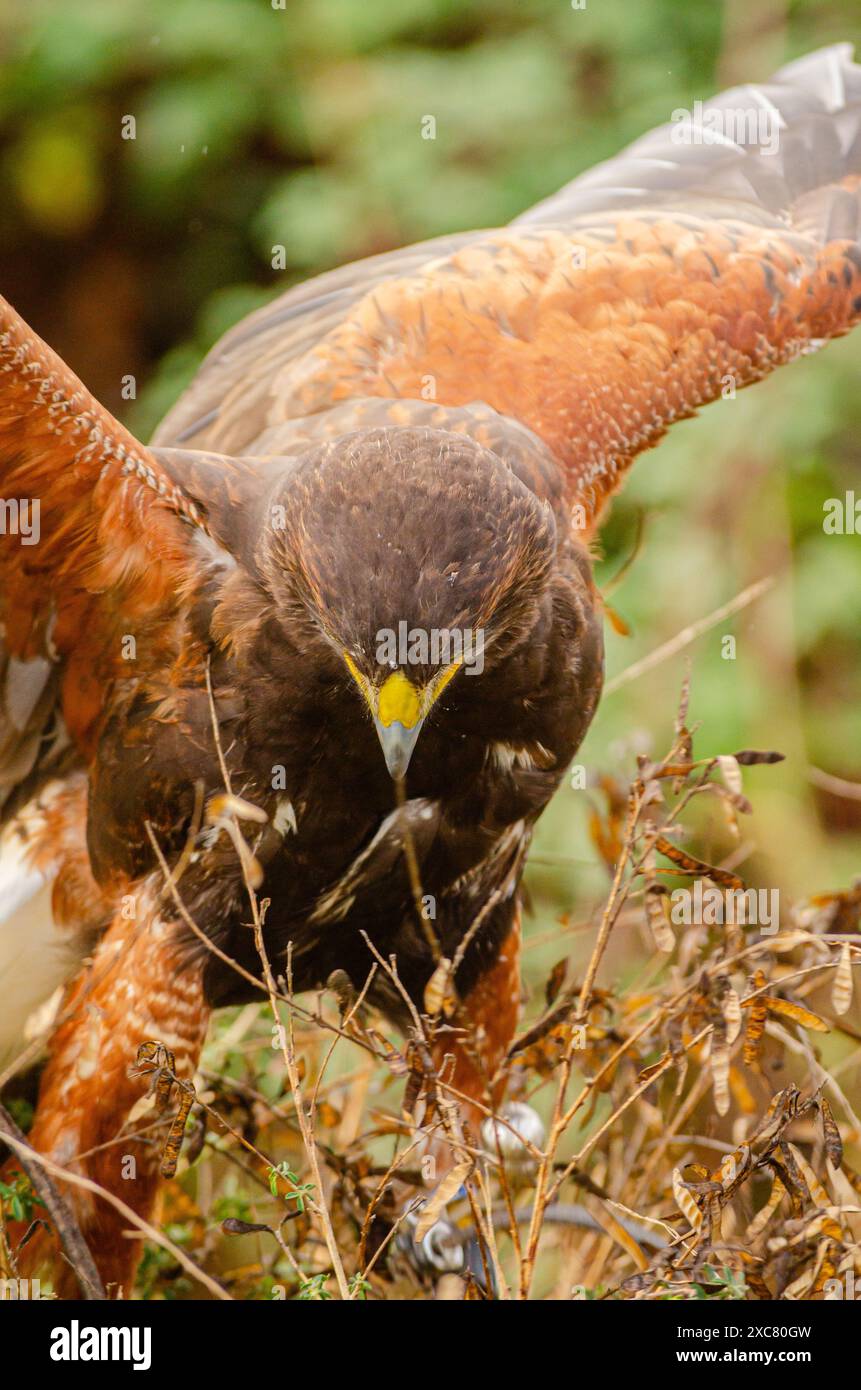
334	631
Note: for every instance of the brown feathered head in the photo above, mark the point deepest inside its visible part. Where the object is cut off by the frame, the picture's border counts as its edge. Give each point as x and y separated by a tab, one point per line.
416	556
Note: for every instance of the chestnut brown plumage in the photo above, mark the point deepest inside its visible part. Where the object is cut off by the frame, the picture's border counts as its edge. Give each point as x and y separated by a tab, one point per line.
424	439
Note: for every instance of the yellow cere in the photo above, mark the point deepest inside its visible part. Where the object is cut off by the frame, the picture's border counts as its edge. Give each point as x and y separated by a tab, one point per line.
399	702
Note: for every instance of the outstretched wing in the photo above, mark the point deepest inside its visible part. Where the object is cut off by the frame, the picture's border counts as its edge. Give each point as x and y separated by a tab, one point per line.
627	301
93	551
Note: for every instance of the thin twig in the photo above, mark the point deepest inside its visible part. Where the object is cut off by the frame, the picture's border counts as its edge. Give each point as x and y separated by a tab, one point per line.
76	1248
688	635
285	1037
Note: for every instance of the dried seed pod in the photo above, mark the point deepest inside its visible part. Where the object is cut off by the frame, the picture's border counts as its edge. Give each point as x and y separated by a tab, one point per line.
440	1198
173	1144
831	1134
656	912
686	1202
730	771
755	1023
440	996
841	993
720	1074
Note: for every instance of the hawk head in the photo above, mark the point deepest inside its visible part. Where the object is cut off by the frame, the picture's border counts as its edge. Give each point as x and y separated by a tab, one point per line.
413	558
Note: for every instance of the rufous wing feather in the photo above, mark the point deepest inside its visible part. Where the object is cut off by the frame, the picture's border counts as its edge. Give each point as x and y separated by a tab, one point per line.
636	295
105	550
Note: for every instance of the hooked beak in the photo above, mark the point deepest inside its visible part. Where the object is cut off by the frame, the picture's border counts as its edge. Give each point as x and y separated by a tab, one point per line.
399	709
397	743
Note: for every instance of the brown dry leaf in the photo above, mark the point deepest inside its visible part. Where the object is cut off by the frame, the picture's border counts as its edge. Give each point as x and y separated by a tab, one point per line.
758	1286
690	865
831	1134
783	1161
648	1072
412	1091
341	986
827	1271
555	980
764	1215
606	835
822	1225
392	1057
617	622
731	773
655	771
796	1012
731	1010
544	1055
328	1116
720	1075
755	1023
841	993
749	756
732	801
782	1108
685	1202
440	1198
658	917
734	1169
798	1290
684	702
439	996
618	1233
814	1186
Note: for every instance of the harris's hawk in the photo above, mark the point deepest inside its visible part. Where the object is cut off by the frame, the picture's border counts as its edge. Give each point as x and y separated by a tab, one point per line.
406	453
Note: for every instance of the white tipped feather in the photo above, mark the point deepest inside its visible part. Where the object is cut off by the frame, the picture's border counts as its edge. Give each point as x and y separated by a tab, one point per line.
36	956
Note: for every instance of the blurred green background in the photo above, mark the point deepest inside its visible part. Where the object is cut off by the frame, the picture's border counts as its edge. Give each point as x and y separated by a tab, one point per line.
300	126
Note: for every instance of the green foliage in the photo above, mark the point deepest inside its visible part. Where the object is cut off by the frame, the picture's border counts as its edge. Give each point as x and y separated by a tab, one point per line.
299	1191
359	1287
159	1275
18	1198
232	1206
314	1290
723	1284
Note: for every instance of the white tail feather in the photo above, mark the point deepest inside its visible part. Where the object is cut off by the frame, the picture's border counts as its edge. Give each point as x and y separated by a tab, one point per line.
36	956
